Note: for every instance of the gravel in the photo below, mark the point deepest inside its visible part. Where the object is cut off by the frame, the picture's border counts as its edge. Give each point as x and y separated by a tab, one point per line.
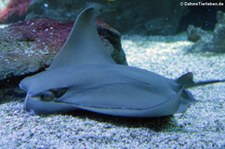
201	126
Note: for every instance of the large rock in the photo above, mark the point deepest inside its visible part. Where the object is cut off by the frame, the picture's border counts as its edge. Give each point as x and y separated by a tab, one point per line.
215	41
147	17
30	46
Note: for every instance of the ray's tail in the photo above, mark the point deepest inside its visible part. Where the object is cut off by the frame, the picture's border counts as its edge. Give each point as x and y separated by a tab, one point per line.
187	81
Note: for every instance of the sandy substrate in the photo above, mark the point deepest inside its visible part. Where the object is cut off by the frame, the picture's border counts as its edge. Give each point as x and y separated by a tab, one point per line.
201	126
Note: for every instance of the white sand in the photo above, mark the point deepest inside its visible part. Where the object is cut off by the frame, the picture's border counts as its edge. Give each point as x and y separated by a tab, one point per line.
201	126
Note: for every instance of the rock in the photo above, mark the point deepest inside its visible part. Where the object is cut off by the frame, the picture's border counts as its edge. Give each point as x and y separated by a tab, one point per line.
113	36
218	39
13	10
213	42
220	16
195	33
29	47
146	17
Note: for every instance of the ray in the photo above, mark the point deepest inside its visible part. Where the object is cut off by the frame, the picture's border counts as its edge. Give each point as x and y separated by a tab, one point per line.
83	76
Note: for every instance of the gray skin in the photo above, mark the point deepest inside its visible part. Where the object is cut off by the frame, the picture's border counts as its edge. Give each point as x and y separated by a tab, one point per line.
84	76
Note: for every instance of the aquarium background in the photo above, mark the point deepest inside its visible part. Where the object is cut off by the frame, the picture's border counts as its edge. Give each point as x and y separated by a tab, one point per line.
168	37
146	17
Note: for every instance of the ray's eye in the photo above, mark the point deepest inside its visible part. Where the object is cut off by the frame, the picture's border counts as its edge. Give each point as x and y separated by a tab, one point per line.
59	92
47	96
51	94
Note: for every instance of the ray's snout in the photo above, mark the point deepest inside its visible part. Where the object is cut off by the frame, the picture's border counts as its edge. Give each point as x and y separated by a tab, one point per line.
28	104
22	85
45	104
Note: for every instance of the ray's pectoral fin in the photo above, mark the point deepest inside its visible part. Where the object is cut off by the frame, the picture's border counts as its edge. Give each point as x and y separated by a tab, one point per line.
83	45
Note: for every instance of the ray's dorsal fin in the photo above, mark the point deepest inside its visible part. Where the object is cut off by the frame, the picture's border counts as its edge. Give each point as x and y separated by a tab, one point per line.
186	80
83	45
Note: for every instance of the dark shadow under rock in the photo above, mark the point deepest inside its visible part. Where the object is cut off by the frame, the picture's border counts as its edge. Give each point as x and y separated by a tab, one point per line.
10	94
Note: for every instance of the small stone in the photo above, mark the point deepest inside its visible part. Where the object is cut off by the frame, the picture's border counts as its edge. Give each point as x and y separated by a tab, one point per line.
195	33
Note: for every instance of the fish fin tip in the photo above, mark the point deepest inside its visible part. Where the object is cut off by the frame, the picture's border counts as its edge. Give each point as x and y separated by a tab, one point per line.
186	80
